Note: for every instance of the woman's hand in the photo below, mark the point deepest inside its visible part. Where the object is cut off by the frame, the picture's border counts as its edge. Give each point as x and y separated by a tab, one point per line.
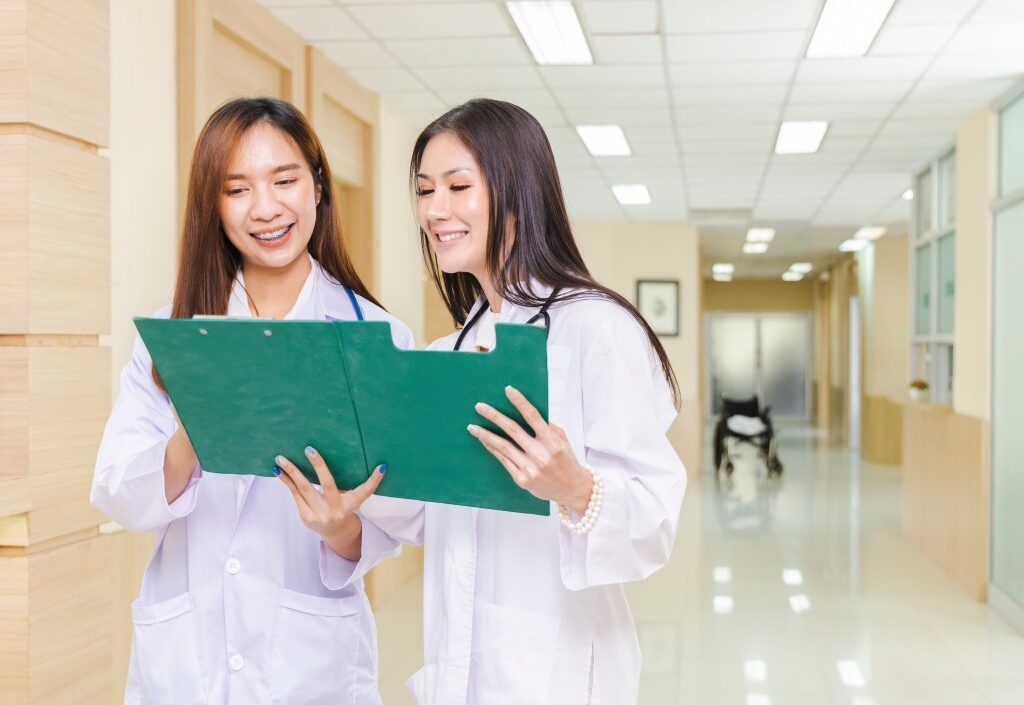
543	463
332	513
179	461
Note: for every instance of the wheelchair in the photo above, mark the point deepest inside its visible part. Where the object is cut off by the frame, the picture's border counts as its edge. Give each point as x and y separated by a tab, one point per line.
744	421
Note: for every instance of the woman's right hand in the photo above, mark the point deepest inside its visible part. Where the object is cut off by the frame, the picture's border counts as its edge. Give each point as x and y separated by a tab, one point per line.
180	461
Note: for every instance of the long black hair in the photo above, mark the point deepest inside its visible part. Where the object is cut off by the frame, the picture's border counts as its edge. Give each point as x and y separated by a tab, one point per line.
534	244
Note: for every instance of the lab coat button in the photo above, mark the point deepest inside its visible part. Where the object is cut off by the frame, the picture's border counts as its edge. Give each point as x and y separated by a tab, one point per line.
236	662
233	566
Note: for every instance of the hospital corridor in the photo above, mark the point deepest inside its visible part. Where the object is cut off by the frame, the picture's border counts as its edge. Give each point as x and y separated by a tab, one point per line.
512	352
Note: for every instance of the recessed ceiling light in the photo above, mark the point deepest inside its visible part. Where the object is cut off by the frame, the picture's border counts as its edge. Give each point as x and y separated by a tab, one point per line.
908	195
722	268
800	136
722	277
756	670
722	574
632	194
722	604
604	140
853	245
799	603
552	31
869	232
846	28
792	276
760	235
801	267
850	674
792	576
755	248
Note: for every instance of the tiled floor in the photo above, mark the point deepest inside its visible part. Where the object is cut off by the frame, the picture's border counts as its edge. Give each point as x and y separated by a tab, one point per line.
797	591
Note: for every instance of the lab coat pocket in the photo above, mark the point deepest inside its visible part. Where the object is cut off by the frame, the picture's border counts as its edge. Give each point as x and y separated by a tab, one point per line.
516	655
167	651
323	651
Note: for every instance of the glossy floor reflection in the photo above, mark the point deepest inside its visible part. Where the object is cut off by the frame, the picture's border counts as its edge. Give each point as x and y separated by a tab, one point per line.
796	591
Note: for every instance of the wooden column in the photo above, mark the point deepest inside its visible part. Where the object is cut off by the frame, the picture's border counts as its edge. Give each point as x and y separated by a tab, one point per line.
55	584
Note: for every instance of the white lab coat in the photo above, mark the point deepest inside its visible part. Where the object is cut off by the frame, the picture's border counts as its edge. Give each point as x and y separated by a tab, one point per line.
517	609
234	607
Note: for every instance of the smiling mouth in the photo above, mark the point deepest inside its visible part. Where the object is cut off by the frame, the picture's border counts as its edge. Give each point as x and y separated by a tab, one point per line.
451	237
273	235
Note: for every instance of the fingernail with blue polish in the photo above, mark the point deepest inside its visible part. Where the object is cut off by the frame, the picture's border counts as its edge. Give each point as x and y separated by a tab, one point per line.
277	471
382	468
310	452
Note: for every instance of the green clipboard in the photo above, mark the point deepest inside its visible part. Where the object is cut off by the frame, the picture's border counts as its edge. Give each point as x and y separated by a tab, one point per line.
248	390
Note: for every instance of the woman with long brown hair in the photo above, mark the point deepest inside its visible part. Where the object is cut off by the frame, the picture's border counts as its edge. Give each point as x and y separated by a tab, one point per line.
236	603
522	608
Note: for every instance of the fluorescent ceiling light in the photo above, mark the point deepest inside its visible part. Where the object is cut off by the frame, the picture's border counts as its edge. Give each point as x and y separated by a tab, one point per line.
847	28
792	276
755	248
722	278
853	245
799	603
760	235
551	30
722	268
850	674
908	195
792	576
604	140
756	670
801	268
722	604
632	194
869	232
800	136
723	574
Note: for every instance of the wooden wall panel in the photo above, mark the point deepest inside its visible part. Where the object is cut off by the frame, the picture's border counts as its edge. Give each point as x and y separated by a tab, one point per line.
882	440
945	490
55	66
59	254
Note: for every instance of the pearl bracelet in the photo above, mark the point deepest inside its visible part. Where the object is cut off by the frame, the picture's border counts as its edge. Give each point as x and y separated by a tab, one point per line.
585	524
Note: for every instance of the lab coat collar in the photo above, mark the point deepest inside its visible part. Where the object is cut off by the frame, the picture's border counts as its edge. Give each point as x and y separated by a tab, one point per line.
510	312
321	298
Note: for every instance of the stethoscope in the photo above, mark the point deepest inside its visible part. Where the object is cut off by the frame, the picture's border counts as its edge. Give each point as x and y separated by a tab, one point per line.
543	313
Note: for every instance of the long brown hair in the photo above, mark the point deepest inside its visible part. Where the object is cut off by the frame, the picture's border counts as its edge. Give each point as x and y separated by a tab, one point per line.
208	262
536	243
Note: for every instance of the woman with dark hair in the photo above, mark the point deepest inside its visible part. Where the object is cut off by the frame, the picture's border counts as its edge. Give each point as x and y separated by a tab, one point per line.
235	604
520	608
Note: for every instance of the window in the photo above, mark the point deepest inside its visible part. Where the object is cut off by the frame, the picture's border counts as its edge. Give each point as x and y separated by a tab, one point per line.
934	275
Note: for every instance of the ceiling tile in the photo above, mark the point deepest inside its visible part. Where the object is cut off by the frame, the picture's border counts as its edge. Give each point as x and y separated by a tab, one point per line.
714	115
385	80
737	46
919	128
853	128
908	40
772	94
626	117
357	55
603	76
848	91
976	66
432	21
988	38
492	51
735	146
929	12
999	11
757	130
977	92
627	49
414	101
613	97
480	78
838	111
533	101
616	17
918	110
743	73
682	16
897	68
320	23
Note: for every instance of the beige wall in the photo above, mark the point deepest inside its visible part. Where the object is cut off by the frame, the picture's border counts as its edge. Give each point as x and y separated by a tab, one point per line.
756	295
975	189
883	273
618	254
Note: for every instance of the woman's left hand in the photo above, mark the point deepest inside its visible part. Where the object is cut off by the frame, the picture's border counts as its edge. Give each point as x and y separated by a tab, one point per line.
544	463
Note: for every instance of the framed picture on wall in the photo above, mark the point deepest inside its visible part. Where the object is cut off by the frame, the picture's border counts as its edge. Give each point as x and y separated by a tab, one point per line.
658	301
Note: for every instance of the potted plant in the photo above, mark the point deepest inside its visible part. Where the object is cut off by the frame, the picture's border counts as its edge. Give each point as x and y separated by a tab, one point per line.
918	389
